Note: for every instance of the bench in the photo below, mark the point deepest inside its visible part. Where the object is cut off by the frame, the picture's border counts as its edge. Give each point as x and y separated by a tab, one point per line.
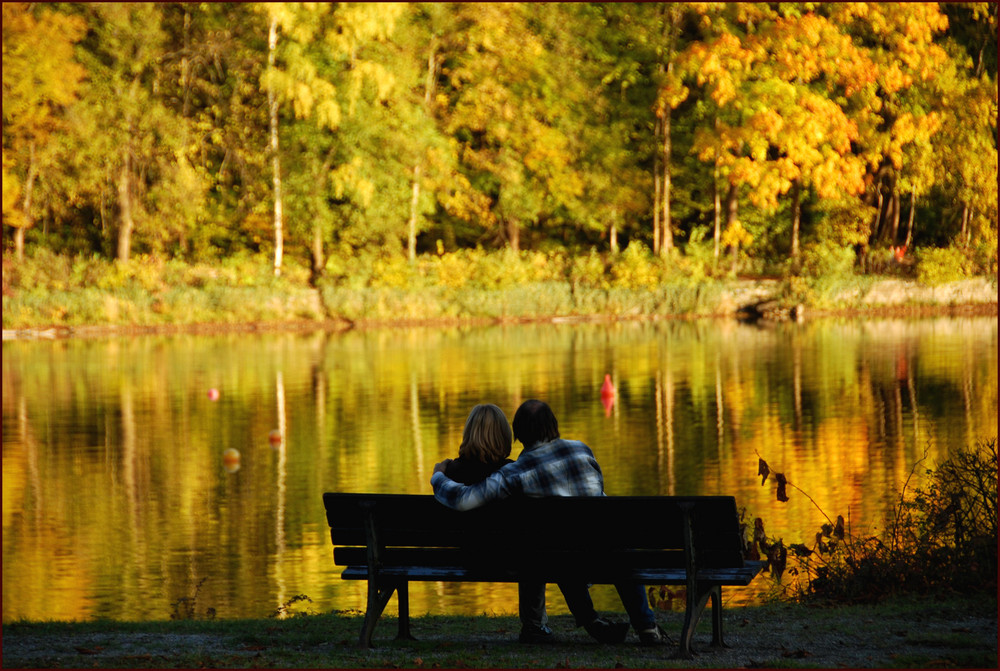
392	539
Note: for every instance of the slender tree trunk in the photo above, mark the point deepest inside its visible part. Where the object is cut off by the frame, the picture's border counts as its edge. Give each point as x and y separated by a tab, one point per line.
670	35
668	237
514	234
656	191
718	206
731	206
894	230
796	218
27	221
126	224
272	106
909	223
614	236
965	223
411	238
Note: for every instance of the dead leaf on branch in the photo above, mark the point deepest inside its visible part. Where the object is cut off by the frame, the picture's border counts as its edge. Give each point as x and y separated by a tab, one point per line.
762	470
800	550
780	477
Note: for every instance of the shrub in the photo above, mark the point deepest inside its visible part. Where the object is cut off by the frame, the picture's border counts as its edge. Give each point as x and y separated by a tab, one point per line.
940	537
941	265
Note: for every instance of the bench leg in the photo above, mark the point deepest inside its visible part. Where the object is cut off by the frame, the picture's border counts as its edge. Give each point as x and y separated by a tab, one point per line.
377	599
403	596
717	641
692	614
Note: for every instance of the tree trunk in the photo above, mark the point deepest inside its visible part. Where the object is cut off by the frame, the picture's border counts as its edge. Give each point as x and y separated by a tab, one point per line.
670	34
894	231
514	235
318	256
29	187
126	224
668	236
909	223
965	224
614	236
272	105
411	238
718	206
731	205
796	218
656	191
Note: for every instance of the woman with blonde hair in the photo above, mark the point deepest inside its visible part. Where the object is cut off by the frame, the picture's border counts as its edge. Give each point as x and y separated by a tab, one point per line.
486	443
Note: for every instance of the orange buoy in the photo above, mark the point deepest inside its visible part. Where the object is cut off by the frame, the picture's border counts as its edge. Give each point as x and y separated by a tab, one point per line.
213	394
231	460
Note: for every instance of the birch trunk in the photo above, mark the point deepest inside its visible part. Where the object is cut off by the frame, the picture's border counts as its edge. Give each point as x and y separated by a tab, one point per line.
272	106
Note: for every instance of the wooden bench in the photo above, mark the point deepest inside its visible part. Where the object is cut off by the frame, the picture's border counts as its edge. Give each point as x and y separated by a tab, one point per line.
391	539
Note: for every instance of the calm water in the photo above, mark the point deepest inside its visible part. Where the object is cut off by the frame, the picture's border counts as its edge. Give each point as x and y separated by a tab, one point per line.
122	496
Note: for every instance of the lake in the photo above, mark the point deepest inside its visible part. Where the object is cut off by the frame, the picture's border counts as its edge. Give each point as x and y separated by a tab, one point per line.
160	476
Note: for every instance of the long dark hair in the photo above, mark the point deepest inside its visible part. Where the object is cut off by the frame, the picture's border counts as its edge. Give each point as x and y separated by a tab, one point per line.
535	423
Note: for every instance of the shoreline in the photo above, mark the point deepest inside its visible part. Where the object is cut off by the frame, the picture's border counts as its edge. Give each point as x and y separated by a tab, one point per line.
92	331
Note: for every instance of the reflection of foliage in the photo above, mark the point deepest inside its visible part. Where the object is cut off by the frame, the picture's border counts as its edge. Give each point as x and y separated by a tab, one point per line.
944	536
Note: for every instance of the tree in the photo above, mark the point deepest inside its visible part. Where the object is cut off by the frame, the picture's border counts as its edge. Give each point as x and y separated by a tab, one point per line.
510	109
319	73
40	79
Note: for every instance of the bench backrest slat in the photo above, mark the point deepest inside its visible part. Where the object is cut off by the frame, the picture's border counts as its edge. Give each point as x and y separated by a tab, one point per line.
564	524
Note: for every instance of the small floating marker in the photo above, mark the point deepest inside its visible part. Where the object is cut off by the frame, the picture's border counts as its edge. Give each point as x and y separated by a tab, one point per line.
607	395
231	460
274	438
608	388
213	394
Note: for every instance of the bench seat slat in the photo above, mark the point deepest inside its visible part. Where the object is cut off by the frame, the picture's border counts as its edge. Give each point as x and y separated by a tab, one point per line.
728	577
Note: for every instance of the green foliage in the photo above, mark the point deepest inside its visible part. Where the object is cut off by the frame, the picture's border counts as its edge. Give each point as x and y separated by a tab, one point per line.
938	266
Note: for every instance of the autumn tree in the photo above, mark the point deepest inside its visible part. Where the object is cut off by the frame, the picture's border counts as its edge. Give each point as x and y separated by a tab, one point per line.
40	79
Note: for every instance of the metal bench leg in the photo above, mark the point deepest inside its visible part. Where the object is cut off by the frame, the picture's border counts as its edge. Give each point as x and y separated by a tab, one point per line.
692	614
377	599
403	595
717	641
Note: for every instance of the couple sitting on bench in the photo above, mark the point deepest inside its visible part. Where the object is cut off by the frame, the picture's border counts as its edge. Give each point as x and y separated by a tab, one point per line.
548	466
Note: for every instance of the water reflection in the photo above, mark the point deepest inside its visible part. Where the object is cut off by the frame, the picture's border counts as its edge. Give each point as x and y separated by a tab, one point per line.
119	499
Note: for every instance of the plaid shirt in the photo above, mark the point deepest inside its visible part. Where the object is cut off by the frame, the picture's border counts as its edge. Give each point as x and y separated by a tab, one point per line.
557	468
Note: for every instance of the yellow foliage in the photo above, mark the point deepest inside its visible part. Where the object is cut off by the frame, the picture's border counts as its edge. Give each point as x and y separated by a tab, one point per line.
735	235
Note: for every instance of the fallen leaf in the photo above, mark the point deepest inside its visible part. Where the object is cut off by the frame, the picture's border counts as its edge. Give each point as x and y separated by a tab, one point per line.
90	651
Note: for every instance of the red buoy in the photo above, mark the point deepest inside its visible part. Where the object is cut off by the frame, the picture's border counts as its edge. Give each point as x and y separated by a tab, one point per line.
607	389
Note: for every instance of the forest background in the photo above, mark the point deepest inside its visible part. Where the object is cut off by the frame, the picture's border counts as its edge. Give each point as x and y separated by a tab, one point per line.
185	162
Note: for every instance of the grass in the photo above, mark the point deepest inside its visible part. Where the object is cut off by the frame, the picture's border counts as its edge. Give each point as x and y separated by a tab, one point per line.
48	290
911	632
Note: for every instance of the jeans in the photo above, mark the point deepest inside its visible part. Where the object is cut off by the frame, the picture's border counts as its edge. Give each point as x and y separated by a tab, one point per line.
531	608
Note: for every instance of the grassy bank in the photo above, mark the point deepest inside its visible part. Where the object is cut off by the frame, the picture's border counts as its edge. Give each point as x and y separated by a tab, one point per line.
902	633
45	291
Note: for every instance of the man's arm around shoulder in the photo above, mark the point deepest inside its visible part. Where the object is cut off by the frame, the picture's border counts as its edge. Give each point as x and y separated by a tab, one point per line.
466	497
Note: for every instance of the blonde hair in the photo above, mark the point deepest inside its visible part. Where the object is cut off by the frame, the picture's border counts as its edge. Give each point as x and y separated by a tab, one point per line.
487	437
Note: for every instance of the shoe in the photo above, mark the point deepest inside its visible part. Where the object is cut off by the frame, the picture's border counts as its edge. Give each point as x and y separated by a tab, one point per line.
608	632
536	635
654	636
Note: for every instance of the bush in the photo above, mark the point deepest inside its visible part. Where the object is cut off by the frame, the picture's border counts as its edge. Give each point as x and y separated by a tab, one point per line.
941	537
941	265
